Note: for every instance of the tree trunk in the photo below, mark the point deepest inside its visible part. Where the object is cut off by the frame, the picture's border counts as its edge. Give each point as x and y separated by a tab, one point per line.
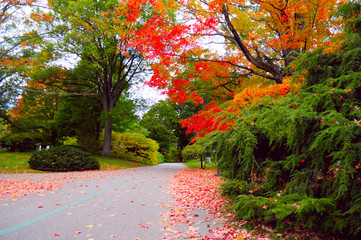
107	136
202	162
54	137
108	105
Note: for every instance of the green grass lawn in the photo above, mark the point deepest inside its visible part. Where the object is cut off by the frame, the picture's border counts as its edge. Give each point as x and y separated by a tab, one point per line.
15	163
18	163
107	163
196	163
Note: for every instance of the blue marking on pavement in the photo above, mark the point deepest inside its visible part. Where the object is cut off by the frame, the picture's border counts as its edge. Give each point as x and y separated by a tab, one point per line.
34	220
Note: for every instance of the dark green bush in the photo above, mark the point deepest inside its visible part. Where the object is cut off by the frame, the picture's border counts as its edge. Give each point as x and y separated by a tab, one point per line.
233	188
287	210
21	142
62	159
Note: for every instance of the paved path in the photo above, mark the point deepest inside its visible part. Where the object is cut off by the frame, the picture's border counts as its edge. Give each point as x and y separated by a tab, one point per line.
123	204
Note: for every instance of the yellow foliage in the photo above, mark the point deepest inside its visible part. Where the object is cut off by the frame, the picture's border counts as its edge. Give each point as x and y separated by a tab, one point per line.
134	147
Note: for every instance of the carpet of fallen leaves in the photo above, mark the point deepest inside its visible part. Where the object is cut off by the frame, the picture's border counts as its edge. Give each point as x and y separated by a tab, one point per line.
198	189
18	185
191	189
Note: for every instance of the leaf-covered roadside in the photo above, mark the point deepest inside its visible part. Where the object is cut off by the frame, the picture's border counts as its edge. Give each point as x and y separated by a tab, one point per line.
200	189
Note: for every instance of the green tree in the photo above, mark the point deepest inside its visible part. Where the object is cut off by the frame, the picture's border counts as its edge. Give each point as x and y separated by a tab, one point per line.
123	115
185	111
33	118
80	117
4	130
8	93
99	34
162	122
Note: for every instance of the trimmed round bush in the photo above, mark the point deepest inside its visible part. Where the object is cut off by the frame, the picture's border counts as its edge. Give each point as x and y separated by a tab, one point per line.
63	159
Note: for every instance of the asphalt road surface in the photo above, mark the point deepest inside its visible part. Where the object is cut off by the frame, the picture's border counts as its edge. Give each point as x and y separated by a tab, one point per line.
125	204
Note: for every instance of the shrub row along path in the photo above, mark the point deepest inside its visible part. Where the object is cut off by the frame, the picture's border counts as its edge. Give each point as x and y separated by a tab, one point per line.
126	204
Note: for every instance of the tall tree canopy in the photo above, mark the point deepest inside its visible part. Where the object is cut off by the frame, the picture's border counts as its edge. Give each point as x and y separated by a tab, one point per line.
100	35
14	51
110	41
261	38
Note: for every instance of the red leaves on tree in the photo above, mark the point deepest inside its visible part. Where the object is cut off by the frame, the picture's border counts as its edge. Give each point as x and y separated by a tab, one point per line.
206	121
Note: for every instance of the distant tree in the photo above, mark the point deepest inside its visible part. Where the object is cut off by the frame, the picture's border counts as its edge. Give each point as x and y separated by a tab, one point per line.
162	122
4	129
99	34
185	111
36	111
33	119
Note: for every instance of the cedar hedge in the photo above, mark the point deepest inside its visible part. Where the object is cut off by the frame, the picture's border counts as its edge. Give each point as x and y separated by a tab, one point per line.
294	164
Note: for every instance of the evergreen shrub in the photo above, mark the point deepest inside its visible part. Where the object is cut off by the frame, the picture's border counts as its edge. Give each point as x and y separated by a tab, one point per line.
233	188
302	152
63	159
134	147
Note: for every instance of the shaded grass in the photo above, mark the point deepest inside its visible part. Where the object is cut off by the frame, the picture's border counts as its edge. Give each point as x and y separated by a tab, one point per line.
196	163
15	162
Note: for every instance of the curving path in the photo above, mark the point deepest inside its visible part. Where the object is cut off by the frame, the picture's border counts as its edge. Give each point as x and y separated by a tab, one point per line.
125	204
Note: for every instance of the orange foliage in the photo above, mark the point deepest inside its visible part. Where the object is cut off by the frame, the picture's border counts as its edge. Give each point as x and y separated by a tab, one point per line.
19	110
271	32
268	34
41	17
16	111
250	95
16	63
